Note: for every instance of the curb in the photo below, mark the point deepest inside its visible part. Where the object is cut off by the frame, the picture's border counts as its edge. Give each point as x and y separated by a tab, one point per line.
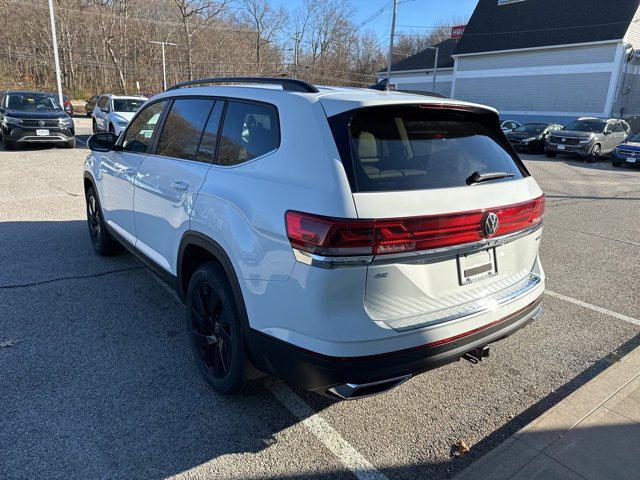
528	445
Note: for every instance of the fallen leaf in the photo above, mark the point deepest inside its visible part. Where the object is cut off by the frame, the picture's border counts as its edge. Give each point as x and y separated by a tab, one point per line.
463	448
8	343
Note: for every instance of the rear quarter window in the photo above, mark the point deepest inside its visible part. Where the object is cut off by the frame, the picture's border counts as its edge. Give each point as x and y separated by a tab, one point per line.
413	148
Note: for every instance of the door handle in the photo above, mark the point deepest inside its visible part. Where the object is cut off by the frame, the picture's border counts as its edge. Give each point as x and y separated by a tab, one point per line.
181	186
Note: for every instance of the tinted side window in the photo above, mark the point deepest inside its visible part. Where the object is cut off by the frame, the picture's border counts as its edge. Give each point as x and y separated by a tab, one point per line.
616	127
102	102
183	129
249	130
207	150
140	132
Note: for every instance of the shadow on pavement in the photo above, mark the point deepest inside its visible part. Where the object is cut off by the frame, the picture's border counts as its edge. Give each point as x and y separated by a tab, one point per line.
102	384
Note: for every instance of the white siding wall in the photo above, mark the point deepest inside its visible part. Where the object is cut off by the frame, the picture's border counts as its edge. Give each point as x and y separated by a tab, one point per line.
581	94
443	88
540	58
633	33
628	94
422	81
568	81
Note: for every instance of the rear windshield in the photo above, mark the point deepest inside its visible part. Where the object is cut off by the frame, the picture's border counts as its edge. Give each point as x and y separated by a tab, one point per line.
414	148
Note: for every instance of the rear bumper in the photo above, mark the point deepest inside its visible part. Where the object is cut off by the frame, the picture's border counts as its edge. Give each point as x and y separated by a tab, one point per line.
320	373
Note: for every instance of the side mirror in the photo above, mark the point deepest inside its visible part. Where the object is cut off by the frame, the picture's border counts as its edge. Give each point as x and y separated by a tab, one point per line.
102	141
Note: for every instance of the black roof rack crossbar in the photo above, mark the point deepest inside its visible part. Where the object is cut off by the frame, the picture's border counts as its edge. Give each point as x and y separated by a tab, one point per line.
288	84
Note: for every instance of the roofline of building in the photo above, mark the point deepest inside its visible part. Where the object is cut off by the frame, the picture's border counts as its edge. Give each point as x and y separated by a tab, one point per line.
440	69
544	47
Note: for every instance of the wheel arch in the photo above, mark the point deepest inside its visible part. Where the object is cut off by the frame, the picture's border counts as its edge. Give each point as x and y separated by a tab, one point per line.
195	250
89	182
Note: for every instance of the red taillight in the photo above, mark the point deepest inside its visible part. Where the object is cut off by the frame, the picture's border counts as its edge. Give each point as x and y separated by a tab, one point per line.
336	236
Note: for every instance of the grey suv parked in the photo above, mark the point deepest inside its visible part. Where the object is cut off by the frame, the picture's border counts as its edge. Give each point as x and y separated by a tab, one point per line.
588	137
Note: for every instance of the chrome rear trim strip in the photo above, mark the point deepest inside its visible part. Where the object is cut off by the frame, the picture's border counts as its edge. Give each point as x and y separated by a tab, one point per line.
475	307
322	261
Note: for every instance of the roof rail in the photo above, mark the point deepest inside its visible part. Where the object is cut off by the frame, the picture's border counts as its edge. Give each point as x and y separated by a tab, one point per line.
288	84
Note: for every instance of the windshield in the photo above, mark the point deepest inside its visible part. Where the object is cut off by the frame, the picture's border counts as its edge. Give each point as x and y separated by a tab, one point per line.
532	128
127	105
635	138
586	126
32	101
412	148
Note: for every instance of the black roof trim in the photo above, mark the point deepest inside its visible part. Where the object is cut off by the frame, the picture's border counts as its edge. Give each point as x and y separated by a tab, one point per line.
288	84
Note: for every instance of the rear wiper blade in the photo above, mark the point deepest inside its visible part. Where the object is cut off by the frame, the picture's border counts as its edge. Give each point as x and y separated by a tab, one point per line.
477	177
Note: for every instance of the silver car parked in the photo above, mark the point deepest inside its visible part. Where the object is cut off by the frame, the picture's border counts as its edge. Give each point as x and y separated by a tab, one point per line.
589	138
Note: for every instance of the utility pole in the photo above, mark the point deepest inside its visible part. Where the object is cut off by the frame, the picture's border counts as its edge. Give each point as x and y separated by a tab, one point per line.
295	54
393	33
55	53
164	63
435	69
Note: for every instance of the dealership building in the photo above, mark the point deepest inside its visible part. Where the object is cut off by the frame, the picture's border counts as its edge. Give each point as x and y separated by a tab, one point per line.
540	60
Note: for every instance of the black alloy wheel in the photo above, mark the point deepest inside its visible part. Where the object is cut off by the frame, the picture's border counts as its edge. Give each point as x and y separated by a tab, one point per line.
101	241
212	331
215	331
594	156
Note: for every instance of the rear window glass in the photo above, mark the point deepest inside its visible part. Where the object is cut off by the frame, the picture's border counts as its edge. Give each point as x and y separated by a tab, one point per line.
413	148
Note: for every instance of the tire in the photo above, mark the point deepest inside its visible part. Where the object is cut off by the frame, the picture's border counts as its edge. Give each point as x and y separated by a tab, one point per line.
550	154
215	331
101	241
71	143
594	155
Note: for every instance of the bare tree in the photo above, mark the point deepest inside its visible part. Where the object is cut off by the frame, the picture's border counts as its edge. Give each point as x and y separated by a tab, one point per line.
195	15
265	20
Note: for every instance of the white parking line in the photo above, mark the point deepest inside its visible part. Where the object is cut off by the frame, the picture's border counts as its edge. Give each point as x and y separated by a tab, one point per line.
324	432
318	426
595	308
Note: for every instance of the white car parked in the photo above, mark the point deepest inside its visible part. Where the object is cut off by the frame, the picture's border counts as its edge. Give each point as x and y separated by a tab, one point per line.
344	239
112	113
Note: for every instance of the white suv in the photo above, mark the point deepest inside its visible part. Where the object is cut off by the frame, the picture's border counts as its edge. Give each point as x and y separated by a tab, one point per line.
344	239
112	113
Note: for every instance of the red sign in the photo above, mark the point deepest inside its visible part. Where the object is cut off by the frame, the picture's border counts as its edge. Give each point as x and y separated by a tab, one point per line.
457	31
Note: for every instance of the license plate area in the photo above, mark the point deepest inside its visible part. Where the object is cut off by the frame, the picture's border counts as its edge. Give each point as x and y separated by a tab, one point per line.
42	132
560	147
631	159
476	266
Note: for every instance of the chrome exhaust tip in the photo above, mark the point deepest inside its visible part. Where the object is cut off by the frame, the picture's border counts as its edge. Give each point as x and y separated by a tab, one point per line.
353	391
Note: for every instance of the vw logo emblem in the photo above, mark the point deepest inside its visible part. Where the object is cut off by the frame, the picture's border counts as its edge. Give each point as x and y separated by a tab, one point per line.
41	123
490	224
564	139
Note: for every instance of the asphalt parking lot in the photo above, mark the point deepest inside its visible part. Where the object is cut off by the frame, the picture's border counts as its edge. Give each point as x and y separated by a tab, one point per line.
97	380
